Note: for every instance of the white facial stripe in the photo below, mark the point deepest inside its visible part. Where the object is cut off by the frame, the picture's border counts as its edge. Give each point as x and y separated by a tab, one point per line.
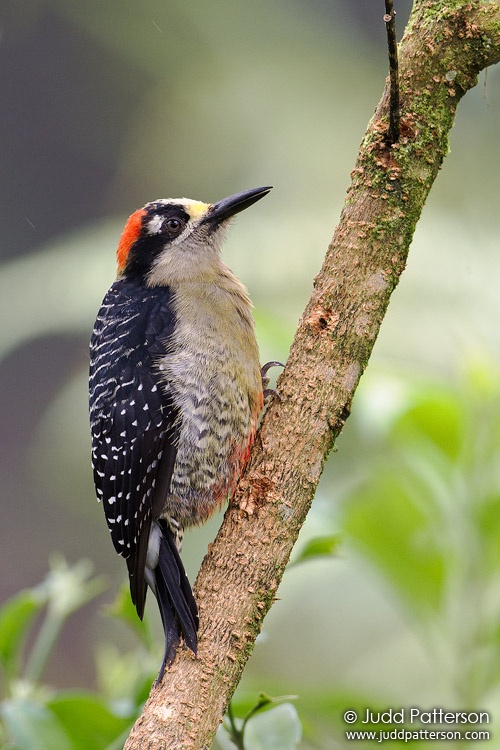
155	224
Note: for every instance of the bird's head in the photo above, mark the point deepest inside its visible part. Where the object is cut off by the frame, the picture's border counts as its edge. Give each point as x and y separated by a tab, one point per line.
173	240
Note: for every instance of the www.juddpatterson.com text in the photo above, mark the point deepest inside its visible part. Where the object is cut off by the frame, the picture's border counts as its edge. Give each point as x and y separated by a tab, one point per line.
416	715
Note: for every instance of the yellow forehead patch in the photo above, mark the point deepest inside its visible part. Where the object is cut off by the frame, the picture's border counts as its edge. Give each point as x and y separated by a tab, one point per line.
195	209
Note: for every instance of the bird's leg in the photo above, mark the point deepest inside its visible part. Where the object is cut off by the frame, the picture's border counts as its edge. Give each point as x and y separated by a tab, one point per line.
265	379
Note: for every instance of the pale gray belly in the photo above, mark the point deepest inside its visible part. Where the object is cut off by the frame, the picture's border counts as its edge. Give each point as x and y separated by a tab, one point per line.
213	398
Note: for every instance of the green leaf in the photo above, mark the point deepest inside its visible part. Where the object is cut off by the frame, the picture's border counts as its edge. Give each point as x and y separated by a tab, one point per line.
436	414
487	517
87	719
276	729
16	615
389	519
233	733
31	726
319	546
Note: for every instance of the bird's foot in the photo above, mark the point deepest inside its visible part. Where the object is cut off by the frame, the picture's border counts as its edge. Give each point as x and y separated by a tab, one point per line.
268	392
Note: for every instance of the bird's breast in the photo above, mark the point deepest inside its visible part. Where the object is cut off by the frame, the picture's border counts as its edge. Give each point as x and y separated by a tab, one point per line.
212	369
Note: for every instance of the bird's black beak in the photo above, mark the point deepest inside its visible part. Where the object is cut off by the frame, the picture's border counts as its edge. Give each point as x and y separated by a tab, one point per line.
227	207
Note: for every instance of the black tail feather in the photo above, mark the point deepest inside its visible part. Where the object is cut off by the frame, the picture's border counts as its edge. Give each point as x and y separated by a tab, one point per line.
178	609
136	564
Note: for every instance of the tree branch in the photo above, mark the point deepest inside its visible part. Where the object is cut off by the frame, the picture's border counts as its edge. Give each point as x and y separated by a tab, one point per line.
392	47
445	46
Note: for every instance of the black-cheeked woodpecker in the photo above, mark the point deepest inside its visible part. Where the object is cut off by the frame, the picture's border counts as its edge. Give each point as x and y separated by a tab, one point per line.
175	395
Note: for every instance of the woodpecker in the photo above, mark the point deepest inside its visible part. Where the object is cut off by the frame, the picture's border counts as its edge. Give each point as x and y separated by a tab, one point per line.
175	392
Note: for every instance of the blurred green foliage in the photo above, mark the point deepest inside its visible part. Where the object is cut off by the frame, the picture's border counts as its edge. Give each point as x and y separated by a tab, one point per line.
278	728
425	512
34	716
392	595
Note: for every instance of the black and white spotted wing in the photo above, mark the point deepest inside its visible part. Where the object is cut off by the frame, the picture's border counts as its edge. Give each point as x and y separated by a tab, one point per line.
132	417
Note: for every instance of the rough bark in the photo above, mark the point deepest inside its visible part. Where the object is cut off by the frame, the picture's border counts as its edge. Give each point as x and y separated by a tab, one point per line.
445	46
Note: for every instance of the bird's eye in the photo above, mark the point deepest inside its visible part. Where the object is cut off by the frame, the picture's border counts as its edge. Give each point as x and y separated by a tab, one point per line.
173	226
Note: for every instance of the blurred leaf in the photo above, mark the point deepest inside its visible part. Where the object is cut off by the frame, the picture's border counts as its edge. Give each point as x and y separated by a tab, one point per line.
437	414
16	615
87	720
276	729
319	546
487	517
31	726
264	701
388	521
235	729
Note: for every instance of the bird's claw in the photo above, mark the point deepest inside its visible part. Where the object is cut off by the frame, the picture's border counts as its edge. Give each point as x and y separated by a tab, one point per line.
268	392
